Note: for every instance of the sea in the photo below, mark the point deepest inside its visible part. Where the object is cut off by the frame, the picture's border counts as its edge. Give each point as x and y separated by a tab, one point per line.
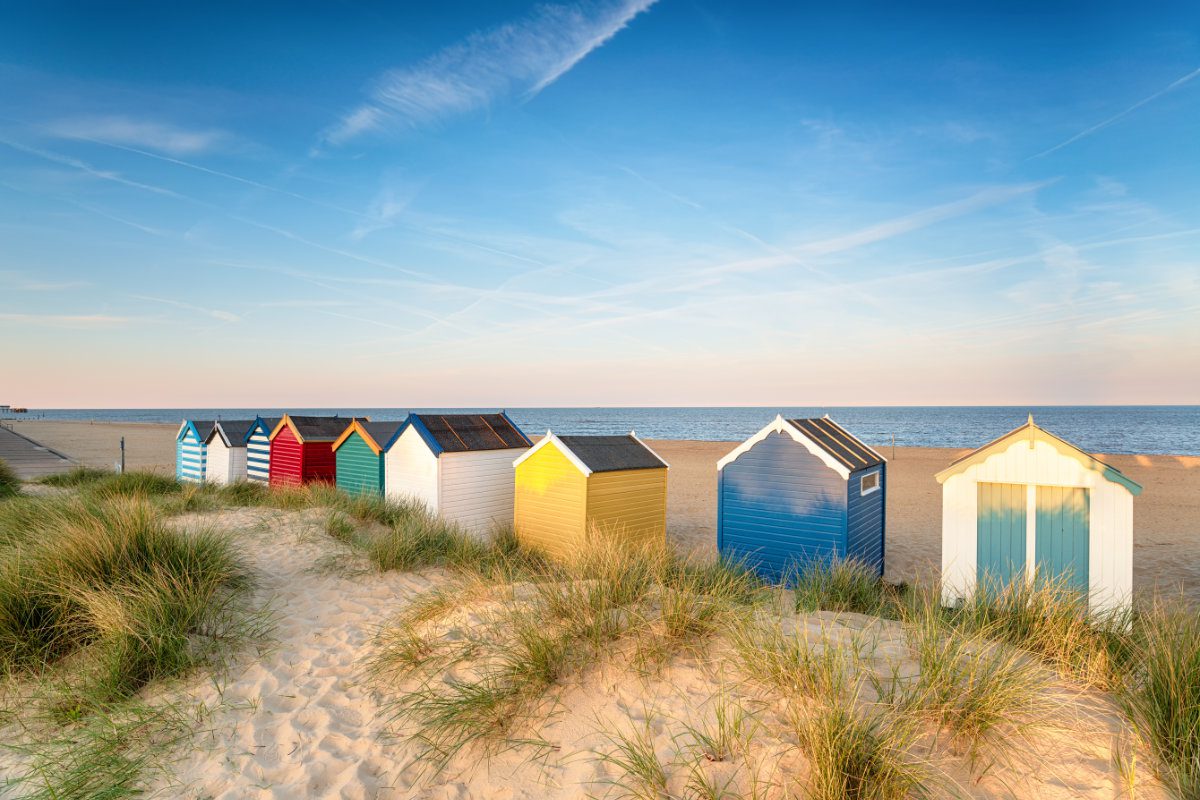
1170	430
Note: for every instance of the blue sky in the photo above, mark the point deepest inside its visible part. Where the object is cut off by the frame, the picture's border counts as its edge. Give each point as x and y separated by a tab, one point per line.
634	203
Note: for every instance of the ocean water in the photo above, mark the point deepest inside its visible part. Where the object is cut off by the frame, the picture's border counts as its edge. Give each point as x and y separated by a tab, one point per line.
1171	430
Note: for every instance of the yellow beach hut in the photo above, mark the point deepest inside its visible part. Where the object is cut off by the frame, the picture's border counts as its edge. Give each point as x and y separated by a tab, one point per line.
568	487
1031	504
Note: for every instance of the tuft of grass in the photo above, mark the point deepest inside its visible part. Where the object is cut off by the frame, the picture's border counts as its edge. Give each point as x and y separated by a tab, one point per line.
338	526
1051	620
793	664
859	756
723	734
641	774
844	585
1161	695
10	484
131	484
987	696
77	477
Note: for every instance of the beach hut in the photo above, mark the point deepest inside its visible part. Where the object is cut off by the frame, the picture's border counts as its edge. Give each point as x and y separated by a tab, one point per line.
799	492
458	465
1031	504
226	457
190	451
568	487
359	455
258	449
302	450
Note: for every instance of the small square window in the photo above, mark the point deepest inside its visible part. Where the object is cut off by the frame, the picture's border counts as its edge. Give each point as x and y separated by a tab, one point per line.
868	483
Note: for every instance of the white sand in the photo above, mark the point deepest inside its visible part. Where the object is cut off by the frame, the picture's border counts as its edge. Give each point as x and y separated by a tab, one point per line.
303	721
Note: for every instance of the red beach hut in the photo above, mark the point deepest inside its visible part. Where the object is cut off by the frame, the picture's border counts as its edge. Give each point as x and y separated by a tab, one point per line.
302	450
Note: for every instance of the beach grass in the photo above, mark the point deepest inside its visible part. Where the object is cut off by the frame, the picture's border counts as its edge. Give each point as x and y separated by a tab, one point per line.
10	484
843	585
74	478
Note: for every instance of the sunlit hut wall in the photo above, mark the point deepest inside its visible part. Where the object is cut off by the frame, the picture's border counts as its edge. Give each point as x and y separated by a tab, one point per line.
360	457
801	491
459	466
1031	503
258	449
572	487
302	450
226	457
190	451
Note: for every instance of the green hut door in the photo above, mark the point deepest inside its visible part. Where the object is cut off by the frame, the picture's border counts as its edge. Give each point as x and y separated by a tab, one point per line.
1061	542
1000	557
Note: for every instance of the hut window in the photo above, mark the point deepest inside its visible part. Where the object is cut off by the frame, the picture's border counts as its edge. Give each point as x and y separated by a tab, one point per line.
868	483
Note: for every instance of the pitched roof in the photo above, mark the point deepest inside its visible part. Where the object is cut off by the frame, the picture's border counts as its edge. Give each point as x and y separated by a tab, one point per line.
203	428
313	429
460	433
844	447
232	431
612	453
270	423
375	434
1033	432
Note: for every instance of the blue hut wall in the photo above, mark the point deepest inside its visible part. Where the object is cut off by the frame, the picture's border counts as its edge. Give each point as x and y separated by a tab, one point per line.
780	507
258	454
865	519
190	456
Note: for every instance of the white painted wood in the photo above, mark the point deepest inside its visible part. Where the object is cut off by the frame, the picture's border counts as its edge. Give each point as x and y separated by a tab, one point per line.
476	488
410	471
549	439
780	425
1037	463
225	464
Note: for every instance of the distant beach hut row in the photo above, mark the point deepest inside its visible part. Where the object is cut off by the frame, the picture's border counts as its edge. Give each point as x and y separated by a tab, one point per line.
798	492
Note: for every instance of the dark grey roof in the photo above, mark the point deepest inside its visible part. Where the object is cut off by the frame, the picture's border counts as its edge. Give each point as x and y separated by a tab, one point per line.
203	427
270	422
612	453
232	431
319	428
458	433
838	442
382	432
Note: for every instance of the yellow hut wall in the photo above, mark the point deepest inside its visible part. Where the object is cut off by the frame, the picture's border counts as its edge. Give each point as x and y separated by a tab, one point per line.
550	503
629	504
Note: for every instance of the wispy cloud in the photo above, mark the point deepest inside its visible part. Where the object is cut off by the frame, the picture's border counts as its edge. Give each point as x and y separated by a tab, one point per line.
1119	116
67	320
516	60
152	134
21	281
215	313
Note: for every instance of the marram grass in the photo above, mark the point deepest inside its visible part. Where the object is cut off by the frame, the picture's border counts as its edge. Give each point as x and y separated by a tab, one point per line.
10	484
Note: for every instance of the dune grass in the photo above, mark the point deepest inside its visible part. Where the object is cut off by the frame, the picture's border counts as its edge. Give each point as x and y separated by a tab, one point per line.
10	484
98	599
845	585
72	479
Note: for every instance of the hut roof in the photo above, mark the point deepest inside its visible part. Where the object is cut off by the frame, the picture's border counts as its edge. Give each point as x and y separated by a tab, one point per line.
269	423
375	434
835	440
202	427
460	433
313	429
1032	432
233	432
602	453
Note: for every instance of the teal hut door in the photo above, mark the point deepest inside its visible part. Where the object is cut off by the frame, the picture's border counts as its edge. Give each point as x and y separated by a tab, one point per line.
1000	557
1061	545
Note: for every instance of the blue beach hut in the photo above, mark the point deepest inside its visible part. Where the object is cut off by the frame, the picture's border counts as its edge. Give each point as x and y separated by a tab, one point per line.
798	491
258	449
191	452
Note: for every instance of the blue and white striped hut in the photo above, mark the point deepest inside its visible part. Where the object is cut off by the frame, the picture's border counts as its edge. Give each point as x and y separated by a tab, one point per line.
801	492
258	449
191	453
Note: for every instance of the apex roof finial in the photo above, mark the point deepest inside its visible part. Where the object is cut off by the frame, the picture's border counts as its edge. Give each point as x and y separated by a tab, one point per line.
1030	417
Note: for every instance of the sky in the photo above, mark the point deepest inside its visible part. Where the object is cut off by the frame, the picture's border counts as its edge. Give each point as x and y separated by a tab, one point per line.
620	202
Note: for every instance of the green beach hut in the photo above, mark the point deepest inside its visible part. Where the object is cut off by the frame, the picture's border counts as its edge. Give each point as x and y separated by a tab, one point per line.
359	455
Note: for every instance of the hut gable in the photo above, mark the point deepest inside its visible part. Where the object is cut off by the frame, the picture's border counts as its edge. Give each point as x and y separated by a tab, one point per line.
258	449
376	435
312	429
191	452
231	432
1033	434
836	447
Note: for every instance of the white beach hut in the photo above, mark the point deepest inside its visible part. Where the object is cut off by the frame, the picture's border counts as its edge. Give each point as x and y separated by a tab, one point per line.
227	451
1030	503
458	465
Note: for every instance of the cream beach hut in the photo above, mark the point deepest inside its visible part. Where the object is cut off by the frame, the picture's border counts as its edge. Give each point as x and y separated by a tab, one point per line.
458	465
1030	503
226	444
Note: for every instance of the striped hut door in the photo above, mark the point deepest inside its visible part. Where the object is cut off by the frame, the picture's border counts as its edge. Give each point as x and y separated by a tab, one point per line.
1061	544
1000	527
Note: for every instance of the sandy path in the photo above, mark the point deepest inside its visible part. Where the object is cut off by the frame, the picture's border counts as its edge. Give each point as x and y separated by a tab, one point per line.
297	722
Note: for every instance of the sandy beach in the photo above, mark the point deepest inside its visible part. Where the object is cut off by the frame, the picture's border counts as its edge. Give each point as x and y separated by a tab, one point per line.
1166	515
